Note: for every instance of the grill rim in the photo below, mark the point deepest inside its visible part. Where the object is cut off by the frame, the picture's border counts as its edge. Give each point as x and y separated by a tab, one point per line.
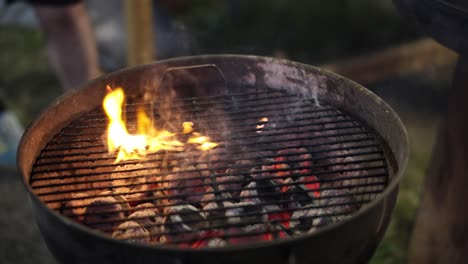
73	96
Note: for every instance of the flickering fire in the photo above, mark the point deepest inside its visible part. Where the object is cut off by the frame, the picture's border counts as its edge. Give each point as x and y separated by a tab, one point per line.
188	127
261	126
149	139
203	141
263	120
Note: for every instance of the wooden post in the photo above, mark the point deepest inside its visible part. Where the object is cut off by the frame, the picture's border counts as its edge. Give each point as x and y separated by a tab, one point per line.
139	18
440	233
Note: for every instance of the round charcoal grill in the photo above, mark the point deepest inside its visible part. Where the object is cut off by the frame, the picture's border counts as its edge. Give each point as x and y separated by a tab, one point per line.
274	167
304	157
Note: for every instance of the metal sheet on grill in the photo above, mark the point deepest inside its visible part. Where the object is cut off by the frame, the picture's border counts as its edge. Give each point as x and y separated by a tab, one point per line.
285	167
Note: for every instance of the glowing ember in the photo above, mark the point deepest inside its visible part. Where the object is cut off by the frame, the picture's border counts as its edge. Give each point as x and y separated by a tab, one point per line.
188	127
203	141
149	139
263	120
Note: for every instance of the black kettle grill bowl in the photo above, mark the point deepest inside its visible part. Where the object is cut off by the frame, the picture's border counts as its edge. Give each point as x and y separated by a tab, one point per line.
353	240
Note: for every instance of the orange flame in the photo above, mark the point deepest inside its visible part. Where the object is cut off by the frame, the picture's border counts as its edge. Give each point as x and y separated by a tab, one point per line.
203	141
260	126
148	138
188	127
263	120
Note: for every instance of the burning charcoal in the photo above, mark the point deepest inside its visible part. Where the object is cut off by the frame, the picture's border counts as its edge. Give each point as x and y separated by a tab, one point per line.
210	196
265	192
120	198
185	184
230	184
317	223
267	171
163	239
250	194
343	169
133	187
172	182
163	203
311	183
248	234
183	222
148	219
295	159
215	216
131	231
291	162
280	220
241	168
216	158
76	208
203	169
357	171
208	238
217	242
245	213
304	219
298	196
340	202
270	194
104	213
146	206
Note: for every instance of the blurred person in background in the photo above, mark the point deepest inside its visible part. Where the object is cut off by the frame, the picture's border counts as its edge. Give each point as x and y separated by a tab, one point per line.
72	53
71	44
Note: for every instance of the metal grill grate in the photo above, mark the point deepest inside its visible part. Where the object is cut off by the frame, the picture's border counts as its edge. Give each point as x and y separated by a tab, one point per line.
285	166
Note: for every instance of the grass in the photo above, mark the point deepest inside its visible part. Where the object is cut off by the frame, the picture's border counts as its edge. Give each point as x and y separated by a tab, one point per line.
27	83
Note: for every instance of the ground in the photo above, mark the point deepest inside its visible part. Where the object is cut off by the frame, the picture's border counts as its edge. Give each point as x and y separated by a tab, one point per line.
21	239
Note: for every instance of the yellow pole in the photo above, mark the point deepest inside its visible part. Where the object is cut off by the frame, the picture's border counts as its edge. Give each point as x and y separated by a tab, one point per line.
139	18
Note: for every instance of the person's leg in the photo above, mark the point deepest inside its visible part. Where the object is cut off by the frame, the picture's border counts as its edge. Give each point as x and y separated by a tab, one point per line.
72	53
70	42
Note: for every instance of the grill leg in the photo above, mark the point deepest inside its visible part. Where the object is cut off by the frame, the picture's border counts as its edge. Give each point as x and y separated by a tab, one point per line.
441	229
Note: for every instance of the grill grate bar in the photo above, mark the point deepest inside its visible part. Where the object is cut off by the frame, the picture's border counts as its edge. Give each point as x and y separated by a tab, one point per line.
155	160
220	218
260	204
239	115
244	233
150	161
337	142
199	171
148	199
38	186
220	174
225	236
234	130
65	142
312	138
319	173
245	223
355	139
131	107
